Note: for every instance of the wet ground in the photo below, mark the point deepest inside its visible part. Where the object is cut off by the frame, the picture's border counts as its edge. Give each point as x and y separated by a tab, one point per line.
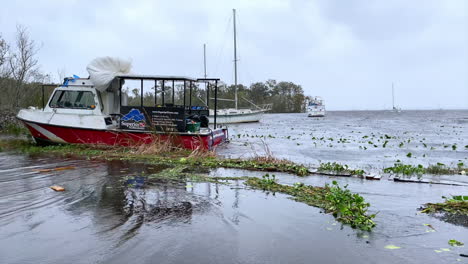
115	212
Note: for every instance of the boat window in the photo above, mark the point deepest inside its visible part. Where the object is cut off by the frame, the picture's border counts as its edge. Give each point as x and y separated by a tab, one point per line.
73	99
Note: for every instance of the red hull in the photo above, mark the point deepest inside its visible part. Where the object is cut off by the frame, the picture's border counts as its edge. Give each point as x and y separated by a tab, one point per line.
60	134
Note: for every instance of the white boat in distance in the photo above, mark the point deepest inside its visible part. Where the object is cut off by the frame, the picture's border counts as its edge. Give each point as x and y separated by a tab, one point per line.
315	107
232	115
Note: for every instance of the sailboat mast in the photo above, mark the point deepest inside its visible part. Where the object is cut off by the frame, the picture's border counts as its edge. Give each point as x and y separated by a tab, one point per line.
204	58
235	57
393	97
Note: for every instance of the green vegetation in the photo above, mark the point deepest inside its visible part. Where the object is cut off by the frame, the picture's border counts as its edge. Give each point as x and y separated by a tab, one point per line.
337	168
455	243
399	168
171	157
347	207
14	129
439	168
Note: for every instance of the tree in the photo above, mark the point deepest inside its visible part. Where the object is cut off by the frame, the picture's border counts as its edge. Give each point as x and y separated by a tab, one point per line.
22	62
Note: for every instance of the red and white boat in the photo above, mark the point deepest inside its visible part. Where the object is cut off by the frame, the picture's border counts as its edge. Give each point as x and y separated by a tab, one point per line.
97	111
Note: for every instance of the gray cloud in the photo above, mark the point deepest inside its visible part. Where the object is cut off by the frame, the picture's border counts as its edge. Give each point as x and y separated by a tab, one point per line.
347	51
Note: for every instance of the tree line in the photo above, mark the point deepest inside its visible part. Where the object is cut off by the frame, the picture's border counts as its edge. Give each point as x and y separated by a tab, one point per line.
21	80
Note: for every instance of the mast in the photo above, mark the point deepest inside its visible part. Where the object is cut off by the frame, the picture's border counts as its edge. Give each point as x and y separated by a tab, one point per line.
235	57
204	58
393	97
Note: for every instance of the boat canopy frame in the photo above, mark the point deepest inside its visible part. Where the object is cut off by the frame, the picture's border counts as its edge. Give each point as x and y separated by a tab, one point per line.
208	81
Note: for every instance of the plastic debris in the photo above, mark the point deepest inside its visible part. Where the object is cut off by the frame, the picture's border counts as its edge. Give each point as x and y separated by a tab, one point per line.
392	247
57	188
104	69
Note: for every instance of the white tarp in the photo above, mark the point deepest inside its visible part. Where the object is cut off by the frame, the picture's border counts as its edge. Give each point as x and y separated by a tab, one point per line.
103	70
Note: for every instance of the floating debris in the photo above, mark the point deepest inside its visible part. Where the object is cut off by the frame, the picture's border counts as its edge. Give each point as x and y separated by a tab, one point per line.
56	169
392	247
57	188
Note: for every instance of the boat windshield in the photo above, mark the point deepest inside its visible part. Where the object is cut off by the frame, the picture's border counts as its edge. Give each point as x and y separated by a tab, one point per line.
73	99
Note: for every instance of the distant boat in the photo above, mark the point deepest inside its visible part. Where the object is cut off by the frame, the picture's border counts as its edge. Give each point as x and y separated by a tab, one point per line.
394	108
236	115
315	107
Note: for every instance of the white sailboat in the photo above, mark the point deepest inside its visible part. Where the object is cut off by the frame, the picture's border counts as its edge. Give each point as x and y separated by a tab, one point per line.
394	108
237	115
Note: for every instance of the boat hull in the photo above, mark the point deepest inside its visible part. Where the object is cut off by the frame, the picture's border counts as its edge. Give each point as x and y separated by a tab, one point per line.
238	118
115	137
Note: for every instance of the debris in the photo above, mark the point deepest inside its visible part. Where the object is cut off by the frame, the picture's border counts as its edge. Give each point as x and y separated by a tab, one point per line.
56	169
57	188
392	247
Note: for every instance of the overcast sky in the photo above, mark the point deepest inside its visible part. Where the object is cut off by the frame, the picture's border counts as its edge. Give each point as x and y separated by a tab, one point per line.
347	51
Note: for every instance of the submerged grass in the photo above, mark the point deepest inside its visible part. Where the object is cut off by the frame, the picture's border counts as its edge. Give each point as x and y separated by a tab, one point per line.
347	207
158	155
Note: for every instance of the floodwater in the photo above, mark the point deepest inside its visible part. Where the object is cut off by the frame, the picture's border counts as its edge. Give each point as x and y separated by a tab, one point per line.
114	212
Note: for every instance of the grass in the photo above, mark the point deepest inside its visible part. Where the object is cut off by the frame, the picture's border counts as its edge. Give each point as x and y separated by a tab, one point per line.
157	155
347	207
456	205
14	129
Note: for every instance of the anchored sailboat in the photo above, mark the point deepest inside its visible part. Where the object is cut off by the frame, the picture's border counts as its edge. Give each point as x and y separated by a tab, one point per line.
236	115
394	108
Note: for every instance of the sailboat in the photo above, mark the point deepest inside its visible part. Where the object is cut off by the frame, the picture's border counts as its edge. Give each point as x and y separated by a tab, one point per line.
394	108
237	115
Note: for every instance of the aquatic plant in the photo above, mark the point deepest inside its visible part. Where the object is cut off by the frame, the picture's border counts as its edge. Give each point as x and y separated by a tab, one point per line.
455	243
347	207
399	168
409	155
385	144
335	167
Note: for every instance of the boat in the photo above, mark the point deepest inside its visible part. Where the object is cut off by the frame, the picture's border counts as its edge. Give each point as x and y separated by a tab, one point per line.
236	114
95	110
315	107
394	108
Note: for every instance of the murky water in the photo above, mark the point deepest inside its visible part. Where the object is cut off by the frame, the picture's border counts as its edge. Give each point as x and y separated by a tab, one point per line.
358	138
113	212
